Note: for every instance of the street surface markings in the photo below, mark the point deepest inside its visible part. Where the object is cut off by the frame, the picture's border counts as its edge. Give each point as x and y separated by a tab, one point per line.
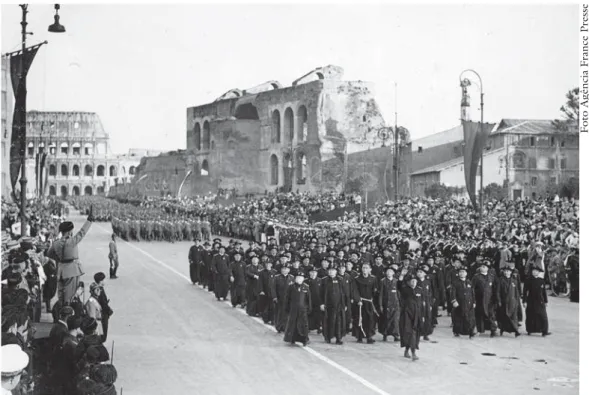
316	354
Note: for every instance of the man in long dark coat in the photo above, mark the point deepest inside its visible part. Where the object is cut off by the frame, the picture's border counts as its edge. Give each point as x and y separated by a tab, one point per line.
252	275
194	257
436	274
410	320
485	291
388	323
297	305
536	299
280	287
333	305
572	268
463	305
265	306
238	280
205	267
425	284
347	280
508	302
315	313
222	274
451	276
365	288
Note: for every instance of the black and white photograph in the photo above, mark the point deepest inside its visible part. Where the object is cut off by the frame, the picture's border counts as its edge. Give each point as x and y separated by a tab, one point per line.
292	198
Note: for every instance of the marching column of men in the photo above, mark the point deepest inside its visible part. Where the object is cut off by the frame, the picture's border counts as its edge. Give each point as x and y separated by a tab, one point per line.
159	227
359	291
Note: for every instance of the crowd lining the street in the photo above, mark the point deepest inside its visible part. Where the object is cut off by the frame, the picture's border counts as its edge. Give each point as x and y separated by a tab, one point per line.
37	285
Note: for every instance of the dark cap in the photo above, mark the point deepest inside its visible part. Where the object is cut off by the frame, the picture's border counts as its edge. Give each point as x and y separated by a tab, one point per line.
98	277
66	226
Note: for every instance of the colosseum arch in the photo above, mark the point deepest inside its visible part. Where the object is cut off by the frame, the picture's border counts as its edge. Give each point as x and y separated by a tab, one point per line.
88	171
63	191
88	191
76	171
52	170
123	171
112	171
52	190
64	170
205	168
100	171
76	191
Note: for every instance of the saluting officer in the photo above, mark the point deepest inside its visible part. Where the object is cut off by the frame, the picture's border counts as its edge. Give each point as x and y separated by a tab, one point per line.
65	252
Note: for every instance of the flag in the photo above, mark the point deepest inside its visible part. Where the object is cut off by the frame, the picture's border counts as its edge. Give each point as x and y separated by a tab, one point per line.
475	139
19	128
37	175
42	172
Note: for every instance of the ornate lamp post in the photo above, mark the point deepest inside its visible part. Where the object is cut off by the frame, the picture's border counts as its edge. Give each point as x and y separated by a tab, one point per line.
56	27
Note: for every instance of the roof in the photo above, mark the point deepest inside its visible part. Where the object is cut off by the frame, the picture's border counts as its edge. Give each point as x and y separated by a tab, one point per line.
526	126
439	138
450	163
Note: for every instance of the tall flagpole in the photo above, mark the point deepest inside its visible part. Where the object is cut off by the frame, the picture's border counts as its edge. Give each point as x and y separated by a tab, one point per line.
23	82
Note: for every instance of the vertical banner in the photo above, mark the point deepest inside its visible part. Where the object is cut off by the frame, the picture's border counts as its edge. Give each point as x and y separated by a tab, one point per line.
42	172
20	64
37	175
475	139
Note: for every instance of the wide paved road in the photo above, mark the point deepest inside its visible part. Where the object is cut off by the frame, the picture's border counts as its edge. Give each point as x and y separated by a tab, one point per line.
175	338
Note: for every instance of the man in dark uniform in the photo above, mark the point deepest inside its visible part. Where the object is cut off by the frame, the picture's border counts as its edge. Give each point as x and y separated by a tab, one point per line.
485	291
265	306
535	301
279	288
333	305
238	280
315	313
103	300
297	305
463	304
65	252
220	267
388	322
347	282
194	258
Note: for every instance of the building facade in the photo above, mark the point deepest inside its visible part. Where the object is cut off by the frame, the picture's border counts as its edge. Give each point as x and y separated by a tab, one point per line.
78	161
529	158
7	110
272	137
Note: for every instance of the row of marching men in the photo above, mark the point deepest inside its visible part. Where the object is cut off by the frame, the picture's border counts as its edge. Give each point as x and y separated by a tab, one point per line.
401	301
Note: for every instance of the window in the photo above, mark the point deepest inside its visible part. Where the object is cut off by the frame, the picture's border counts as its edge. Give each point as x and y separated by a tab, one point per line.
552	141
76	149
532	163
532	141
563	163
64	148
551	164
534	181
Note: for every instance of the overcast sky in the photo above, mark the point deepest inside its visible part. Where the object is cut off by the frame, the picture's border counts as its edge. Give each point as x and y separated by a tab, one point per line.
140	66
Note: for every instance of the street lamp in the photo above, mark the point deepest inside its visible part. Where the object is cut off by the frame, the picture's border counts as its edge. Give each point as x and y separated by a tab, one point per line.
464	82
55	28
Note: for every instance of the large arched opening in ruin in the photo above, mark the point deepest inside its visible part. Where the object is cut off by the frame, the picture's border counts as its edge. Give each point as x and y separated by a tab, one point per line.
76	191
197	136
204	171
63	191
112	171
247	111
88	170
289	125
88	191
76	171
275	126
52	170
100	171
206	136
273	170
64	171
287	170
302	124
52	190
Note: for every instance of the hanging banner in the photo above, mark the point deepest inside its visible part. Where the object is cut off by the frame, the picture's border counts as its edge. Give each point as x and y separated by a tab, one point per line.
475	139
19	128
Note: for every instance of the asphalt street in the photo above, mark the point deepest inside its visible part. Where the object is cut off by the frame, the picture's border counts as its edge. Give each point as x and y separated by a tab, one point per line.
173	337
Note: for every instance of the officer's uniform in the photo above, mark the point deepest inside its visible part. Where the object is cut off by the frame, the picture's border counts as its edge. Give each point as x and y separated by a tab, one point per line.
69	268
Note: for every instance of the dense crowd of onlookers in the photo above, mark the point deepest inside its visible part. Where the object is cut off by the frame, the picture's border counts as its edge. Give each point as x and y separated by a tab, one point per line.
70	358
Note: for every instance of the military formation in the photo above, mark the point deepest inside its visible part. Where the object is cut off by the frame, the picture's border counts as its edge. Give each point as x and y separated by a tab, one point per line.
161	228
